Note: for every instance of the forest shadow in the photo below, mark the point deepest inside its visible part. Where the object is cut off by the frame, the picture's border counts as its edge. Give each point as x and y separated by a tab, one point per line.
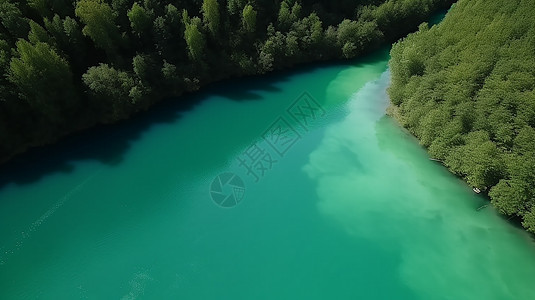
254	85
108	144
104	143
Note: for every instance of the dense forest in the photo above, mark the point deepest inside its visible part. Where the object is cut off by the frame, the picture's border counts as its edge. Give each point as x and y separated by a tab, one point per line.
466	89
67	65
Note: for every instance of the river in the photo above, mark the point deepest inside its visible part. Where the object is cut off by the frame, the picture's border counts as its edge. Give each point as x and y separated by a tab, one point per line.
293	185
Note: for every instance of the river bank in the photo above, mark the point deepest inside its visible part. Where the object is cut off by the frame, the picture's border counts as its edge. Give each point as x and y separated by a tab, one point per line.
20	134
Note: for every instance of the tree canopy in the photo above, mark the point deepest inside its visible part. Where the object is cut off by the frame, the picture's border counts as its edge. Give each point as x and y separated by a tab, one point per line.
466	89
68	65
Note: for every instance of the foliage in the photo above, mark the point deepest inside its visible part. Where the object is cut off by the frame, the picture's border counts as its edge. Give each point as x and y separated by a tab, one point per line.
140	18
195	40
466	89
99	21
68	65
112	87
43	78
210	10
249	18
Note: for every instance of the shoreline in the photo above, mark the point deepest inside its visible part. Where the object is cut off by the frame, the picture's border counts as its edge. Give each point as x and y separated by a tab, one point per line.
162	97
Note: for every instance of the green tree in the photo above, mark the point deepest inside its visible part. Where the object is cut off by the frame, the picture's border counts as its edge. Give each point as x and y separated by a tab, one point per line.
194	37
292	45
73	31
99	21
140	18
284	18
47	8
235	6
111	90
529	220
170	74
210	11
11	18
147	69
465	89
56	29
249	18
37	33
43	78
355	36
122	55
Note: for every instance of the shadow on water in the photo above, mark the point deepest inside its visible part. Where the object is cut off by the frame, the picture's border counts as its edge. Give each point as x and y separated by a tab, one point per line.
438	17
234	88
108	144
104	143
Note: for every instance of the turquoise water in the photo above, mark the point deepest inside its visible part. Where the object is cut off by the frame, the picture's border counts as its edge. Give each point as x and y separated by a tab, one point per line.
344	206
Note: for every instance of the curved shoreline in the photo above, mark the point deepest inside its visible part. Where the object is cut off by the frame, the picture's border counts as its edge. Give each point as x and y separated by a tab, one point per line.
149	102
